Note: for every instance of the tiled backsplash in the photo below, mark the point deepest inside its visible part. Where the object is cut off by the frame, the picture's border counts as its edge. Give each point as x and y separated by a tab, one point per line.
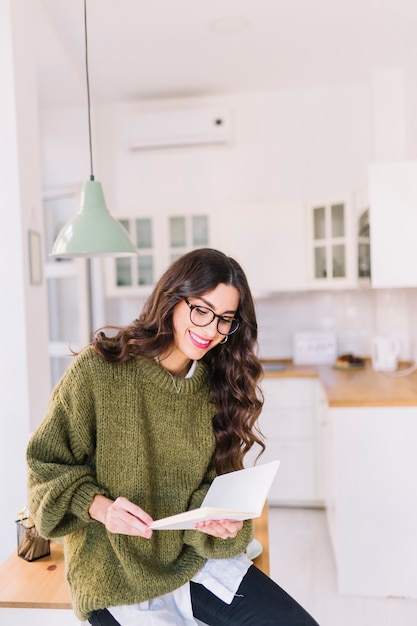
355	316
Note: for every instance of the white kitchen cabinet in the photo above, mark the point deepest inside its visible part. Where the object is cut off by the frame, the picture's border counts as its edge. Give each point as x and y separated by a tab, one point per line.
332	245
289	423
393	220
321	447
371	499
269	241
160	240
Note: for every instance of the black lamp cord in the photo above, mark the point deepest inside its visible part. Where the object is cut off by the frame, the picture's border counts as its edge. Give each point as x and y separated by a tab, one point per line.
88	90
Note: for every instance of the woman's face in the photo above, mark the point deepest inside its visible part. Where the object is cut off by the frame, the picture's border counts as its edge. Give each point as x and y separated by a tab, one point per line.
192	342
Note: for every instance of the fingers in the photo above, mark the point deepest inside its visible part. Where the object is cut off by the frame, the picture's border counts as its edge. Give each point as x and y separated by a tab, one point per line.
223	529
127	518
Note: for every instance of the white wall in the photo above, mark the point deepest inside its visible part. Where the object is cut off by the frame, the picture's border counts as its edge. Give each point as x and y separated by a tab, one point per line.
24	366
287	145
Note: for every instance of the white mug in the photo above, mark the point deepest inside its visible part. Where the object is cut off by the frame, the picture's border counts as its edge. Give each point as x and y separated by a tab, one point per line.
385	352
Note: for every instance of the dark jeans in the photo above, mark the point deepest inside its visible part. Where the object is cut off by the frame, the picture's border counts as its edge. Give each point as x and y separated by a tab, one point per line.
258	602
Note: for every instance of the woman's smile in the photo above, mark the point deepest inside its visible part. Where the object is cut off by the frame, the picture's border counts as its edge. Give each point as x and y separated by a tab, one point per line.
198	341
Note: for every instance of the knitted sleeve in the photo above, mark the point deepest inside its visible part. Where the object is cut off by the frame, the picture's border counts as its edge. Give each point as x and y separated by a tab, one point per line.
60	457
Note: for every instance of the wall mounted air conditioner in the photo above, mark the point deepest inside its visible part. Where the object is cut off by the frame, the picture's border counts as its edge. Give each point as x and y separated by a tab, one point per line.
180	127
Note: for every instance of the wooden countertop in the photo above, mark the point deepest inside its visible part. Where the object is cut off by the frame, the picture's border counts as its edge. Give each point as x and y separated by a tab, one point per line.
262	535
361	387
42	584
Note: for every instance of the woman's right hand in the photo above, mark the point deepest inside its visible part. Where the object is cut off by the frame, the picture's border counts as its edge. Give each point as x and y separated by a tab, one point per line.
121	516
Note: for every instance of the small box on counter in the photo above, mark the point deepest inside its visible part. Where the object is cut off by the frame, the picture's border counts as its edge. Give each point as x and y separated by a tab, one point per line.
314	348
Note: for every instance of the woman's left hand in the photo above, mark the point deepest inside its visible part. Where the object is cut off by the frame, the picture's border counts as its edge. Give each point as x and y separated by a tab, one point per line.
224	529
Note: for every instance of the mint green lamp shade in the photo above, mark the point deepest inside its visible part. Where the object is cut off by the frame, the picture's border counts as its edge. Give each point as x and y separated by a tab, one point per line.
93	231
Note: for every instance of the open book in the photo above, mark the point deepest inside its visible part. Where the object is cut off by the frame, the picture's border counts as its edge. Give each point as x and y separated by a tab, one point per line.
237	495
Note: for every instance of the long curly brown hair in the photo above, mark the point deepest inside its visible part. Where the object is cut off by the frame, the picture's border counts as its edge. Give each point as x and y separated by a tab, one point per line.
234	368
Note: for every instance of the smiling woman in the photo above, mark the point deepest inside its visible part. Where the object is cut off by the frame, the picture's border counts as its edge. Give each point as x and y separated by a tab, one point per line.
195	327
122	445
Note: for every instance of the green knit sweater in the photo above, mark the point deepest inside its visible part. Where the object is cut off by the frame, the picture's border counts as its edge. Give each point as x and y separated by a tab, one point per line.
124	430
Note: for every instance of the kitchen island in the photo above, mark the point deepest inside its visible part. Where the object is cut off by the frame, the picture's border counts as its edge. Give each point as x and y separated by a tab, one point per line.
366	431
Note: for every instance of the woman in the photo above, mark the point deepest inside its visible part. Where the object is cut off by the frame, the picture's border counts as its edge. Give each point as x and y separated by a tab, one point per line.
136	430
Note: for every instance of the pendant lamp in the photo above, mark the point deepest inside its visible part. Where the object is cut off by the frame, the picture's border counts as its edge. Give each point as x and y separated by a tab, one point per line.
93	231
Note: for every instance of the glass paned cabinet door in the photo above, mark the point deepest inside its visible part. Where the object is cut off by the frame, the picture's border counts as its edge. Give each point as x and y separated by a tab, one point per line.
136	271
145	260
320	266
199	231
329	243
145	269
144	233
338	261
364	260
123	272
338	220
177	232
319	222
337	216
123	265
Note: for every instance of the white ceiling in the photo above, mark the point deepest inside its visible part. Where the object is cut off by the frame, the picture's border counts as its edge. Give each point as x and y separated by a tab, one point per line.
140	49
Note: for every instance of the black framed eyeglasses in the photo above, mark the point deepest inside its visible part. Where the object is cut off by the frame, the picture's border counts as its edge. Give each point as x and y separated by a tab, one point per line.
203	316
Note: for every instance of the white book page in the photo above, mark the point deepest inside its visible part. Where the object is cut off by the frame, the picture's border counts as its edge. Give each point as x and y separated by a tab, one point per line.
237	495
